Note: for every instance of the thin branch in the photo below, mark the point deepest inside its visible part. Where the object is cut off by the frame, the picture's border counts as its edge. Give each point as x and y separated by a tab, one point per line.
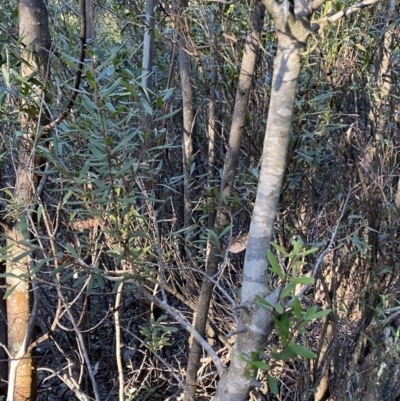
350	10
118	342
172	312
81	342
162	360
78	76
216	283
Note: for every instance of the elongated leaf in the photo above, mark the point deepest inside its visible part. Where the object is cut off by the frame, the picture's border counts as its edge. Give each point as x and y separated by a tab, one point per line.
319	314
280	249
260	365
288	289
274	264
10	291
21	256
307	252
297	306
283	325
23	226
262	302
286	354
272	384
111	89
302	351
310	312
72	250
302	280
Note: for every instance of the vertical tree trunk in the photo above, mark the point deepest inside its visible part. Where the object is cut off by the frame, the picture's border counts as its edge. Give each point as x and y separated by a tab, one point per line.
250	54
188	119
292	31
34	31
148	46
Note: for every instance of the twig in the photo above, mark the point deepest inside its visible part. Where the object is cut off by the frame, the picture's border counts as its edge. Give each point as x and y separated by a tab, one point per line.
175	314
350	10
163	361
118	342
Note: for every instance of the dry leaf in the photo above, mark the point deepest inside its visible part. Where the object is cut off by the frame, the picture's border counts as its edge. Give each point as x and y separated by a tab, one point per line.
239	244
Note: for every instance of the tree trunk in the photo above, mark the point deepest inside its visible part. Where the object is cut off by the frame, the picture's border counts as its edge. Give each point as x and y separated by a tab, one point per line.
292	29
188	116
231	160
148	46
34	31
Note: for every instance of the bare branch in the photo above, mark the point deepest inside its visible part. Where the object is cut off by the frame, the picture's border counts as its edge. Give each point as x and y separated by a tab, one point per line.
175	314
350	10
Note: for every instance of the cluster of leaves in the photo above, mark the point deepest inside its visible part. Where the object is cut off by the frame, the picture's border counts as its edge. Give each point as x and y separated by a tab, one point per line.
289	318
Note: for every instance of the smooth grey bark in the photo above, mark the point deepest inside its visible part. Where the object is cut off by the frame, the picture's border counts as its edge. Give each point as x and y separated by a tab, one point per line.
250	55
292	25
292	30
148	46
34	29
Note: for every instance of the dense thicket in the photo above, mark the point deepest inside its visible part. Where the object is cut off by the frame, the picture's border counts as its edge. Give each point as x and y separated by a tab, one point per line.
127	211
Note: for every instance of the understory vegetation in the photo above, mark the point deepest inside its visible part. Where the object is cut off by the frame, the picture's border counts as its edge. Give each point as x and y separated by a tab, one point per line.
121	225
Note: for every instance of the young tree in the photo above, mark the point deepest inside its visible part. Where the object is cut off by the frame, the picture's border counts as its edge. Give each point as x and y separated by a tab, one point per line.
35	36
292	27
250	54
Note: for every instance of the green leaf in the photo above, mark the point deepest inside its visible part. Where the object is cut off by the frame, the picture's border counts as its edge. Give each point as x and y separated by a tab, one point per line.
297	244
280	249
274	264
111	89
8	192
91	79
21	256
260	365
273	384
307	252
296	306
262	302
59	268
10	291
72	250
302	351
302	280
213	236
90	285
80	280
23	226
167	116
39	213
286	354
311	314
225	230
283	325
288	289
279	308
146	106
